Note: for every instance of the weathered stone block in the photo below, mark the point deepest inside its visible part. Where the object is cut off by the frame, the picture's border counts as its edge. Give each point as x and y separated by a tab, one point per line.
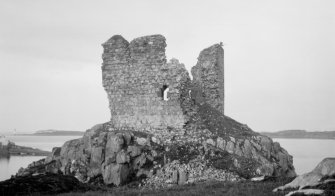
122	157
134	151
116	174
175	177
115	142
139	161
183	177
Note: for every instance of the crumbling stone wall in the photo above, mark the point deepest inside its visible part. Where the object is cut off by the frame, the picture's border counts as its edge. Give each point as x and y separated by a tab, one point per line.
208	77
135	76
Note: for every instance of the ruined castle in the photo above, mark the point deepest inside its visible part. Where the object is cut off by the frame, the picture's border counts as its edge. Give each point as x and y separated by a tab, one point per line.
145	91
164	125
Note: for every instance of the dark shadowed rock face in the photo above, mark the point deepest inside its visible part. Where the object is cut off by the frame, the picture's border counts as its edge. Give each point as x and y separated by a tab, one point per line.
184	139
41	184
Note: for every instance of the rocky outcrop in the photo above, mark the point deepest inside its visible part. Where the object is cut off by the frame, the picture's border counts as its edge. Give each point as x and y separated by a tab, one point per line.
121	156
322	177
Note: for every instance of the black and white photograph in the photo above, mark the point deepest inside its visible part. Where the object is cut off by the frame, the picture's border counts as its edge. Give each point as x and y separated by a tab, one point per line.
177	97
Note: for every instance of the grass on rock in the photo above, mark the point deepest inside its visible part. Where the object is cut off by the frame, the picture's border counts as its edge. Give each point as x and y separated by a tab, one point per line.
246	188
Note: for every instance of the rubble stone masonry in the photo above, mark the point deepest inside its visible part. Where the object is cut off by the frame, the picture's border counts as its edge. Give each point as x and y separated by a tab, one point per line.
208	74
145	91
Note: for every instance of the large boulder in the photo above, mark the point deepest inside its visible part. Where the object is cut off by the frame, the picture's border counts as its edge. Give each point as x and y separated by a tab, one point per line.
321	175
115	173
102	151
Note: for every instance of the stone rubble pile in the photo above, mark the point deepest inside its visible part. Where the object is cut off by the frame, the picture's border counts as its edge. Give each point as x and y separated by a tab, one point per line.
196	171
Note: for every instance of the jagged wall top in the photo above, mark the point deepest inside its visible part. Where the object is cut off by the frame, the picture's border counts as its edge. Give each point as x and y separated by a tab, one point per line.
148	49
208	75
135	76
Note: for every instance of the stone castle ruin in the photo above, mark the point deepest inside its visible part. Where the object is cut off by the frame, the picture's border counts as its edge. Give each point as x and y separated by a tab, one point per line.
165	128
136	77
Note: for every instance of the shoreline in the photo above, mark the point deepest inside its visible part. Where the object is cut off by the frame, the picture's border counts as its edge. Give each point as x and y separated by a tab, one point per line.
22	151
43	135
302	138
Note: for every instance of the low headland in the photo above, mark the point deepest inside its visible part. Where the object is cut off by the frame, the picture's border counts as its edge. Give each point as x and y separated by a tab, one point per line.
301	134
53	132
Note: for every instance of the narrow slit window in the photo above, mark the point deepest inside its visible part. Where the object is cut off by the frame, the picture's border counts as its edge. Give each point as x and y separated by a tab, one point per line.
164	92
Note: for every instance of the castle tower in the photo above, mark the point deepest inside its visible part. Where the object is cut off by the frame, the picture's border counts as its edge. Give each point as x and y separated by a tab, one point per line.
208	74
136	77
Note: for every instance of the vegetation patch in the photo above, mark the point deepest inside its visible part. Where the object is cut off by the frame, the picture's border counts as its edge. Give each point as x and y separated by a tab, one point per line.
220	125
210	188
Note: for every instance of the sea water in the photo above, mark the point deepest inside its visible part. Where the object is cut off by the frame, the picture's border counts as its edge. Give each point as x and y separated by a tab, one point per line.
307	153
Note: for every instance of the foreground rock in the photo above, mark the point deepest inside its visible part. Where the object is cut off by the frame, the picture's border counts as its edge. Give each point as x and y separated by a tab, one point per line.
122	156
41	184
315	182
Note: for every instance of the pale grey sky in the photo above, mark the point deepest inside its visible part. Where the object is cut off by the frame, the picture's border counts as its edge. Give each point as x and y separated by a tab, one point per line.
279	57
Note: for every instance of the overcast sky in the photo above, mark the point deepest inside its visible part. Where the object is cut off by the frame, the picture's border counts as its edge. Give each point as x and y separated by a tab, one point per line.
279	57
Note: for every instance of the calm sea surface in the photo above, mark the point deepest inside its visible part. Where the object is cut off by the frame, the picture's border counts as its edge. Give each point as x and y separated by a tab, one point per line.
307	153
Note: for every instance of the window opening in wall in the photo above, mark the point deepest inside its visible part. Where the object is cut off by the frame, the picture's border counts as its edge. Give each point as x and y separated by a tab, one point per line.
164	92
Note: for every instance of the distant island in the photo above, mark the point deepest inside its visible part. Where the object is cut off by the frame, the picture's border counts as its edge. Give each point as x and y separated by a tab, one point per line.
301	134
53	132
10	148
